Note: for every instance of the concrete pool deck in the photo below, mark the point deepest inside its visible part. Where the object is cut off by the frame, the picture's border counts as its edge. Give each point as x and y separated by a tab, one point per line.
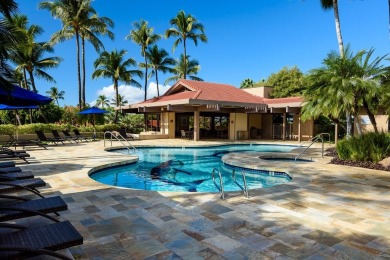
326	211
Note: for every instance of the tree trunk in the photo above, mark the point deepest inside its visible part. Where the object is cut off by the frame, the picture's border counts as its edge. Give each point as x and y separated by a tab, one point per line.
370	114
338	29
25	79
158	89
30	73
389	18
117	100
78	70
146	74
83	70
185	58
348	119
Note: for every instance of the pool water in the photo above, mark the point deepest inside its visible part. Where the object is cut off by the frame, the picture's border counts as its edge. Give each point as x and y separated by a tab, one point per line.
189	169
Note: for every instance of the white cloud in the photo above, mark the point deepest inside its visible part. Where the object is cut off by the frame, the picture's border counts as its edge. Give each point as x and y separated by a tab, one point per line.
131	94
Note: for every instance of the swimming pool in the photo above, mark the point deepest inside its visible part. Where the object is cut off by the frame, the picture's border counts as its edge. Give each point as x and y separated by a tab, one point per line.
189	169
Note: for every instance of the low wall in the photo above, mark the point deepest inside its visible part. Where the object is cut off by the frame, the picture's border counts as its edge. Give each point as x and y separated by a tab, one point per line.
152	135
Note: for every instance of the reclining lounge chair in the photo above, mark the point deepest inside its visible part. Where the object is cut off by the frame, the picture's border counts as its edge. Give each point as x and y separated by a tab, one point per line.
80	136
42	137
6	153
31	207
38	240
57	136
19	185
122	132
23	143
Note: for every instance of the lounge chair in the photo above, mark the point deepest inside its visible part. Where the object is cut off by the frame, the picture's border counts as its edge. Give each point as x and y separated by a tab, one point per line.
57	136
39	240
30	207
122	132
6	153
23	143
18	185
42	137
7	164
17	175
68	135
80	136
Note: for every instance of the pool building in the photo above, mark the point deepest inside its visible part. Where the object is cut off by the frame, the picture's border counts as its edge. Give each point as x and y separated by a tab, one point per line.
202	110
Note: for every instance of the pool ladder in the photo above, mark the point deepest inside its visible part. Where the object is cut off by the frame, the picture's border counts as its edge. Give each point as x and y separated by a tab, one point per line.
121	139
220	188
245	189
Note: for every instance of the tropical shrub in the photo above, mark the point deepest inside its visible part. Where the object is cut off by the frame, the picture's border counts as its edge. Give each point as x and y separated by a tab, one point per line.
372	147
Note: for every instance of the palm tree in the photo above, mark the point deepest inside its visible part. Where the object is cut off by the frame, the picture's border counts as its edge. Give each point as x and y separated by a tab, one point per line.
28	55
185	67
121	101
159	61
247	83
344	84
329	4
102	101
185	27
7	39
143	36
55	94
91	28
112	65
73	15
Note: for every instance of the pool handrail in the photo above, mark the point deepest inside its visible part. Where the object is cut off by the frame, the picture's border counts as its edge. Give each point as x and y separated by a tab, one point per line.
313	140
245	188
112	135
246	192
221	190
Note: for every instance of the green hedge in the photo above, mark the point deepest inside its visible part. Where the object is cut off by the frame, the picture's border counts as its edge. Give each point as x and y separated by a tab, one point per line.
371	147
31	128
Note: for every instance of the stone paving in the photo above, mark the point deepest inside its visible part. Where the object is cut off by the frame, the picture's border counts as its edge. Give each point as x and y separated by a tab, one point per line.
325	212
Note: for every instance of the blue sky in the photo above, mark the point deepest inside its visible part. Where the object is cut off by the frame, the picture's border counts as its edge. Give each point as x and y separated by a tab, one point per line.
246	39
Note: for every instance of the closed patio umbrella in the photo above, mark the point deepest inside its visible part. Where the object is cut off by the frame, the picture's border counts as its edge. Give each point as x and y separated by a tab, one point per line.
93	111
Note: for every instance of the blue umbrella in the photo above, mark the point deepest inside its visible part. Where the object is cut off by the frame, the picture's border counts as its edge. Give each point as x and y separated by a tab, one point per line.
18	96
93	111
7	107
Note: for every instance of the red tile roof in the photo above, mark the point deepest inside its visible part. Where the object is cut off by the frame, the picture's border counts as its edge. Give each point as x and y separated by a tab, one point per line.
283	100
201	90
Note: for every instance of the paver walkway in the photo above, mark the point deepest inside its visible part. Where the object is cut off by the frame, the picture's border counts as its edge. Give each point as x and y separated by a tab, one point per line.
325	212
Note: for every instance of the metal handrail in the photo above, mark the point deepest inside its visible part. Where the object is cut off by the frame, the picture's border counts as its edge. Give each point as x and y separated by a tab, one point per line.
112	135
221	190
246	193
313	140
245	188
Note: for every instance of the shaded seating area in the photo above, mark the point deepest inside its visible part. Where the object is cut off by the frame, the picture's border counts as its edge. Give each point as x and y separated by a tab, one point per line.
47	234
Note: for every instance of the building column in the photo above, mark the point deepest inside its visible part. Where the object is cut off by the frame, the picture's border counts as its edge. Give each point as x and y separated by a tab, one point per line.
284	125
196	126
299	128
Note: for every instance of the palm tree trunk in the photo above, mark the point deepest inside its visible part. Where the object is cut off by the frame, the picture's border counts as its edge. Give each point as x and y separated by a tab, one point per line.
78	69
185	59
25	79
146	74
338	28
389	17
370	115
117	100
158	89
32	81
83	71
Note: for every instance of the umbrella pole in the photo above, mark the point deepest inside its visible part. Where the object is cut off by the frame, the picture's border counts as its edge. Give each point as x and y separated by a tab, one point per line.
94	126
